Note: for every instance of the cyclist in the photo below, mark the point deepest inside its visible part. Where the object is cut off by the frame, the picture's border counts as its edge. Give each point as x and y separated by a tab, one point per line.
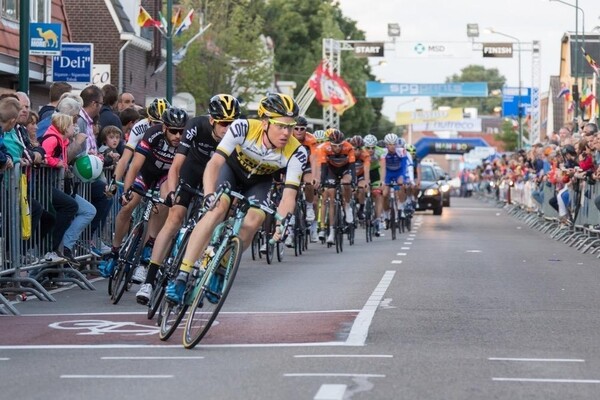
251	151
155	111
336	159
395	164
376	153
416	170
202	134
151	162
362	164
320	136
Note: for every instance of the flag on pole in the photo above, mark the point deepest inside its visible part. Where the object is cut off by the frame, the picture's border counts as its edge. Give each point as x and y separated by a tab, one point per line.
566	92
145	20
587	97
185	24
592	62
331	89
177	18
163	20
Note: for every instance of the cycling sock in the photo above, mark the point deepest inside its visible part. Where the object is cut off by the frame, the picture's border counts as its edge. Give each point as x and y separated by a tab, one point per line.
152	270
150	241
186	266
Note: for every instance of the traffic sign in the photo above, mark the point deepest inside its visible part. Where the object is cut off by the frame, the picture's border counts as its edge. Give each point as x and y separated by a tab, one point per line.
74	64
510	101
45	39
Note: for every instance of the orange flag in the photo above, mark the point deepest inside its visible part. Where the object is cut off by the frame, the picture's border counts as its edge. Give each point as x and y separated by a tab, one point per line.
145	20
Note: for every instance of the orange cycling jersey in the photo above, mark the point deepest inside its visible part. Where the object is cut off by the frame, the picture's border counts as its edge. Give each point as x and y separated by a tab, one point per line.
345	156
309	143
363	162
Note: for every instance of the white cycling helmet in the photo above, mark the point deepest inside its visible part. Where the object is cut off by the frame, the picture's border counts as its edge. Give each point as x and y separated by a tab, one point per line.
319	135
370	140
390	138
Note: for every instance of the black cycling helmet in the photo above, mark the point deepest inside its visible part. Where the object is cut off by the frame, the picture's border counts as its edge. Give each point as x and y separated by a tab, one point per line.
335	135
301	121
175	117
157	108
275	105
224	107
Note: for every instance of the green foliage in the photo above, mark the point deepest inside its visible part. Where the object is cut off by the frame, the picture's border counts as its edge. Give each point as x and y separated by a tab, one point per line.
509	135
475	73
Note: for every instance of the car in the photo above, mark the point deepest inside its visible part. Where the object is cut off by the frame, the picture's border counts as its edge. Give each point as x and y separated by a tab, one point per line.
444	182
430	195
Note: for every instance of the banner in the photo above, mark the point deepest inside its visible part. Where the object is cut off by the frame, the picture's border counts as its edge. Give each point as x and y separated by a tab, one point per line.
457	89
330	89
498	50
465	125
434	49
368	49
418	117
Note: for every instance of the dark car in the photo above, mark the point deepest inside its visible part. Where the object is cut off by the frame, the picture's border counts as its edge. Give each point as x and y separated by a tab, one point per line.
430	195
444	182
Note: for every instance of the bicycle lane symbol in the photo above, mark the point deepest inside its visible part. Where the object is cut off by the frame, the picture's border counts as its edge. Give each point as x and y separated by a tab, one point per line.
103	327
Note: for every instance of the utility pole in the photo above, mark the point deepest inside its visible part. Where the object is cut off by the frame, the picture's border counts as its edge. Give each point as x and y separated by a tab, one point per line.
24	46
169	38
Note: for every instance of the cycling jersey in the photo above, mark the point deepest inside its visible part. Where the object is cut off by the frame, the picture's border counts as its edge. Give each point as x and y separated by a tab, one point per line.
309	143
378	152
198	143
363	162
158	151
326	155
396	165
243	146
137	133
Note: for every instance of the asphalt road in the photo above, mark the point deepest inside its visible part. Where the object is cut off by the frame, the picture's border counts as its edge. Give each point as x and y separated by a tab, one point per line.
470	305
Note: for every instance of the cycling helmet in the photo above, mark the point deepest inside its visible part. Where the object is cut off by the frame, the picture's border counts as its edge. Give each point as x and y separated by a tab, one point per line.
335	136
370	140
390	138
175	117
357	141
301	121
320	135
412	150
224	107
157	108
401	142
275	105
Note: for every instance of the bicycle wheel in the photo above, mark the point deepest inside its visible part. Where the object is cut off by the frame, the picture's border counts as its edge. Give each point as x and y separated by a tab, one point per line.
131	251
339	228
255	247
393	221
203	311
170	316
408	223
270	227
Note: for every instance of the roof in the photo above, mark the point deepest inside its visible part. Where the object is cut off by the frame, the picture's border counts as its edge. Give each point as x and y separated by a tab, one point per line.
122	16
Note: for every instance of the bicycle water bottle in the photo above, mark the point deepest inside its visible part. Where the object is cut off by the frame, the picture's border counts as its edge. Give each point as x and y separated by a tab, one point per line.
209	253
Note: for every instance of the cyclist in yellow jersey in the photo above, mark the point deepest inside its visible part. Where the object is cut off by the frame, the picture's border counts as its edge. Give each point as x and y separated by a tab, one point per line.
250	153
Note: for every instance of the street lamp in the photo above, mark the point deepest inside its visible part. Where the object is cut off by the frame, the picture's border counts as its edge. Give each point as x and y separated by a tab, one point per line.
577	9
519	107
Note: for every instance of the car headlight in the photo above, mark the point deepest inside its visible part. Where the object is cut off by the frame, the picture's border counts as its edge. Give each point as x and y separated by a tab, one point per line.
445	188
431	192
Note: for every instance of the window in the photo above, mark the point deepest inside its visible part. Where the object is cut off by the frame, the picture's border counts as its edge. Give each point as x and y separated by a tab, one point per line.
10	9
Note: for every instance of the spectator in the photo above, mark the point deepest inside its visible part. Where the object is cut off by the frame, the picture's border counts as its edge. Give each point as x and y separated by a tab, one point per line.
107	115
126	100
129	117
9	112
31	126
57	89
109	140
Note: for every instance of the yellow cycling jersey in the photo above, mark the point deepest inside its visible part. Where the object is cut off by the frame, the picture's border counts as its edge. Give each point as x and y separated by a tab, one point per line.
243	147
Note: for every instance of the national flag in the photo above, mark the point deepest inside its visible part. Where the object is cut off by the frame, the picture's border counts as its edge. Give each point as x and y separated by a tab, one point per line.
185	24
592	62
587	97
163	20
330	89
145	20
565	91
177	18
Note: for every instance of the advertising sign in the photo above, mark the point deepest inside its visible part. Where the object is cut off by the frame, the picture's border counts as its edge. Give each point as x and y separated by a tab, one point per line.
427	49
368	49
458	89
464	125
45	39
498	50
101	75
74	64
416	117
510	101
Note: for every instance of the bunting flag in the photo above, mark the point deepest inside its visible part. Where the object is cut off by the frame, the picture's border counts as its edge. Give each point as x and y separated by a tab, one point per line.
566	92
587	97
177	18
185	24
145	20
330	89
592	62
163	20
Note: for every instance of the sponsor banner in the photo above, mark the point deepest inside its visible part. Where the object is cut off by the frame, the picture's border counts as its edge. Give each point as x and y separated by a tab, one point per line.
498	50
45	39
74	64
465	125
368	49
417	117
458	89
510	101
434	49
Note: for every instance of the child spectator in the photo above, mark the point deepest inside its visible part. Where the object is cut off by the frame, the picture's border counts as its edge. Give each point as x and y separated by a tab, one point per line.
109	140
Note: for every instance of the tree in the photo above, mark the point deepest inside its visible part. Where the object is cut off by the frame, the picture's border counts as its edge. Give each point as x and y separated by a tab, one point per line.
509	134
475	73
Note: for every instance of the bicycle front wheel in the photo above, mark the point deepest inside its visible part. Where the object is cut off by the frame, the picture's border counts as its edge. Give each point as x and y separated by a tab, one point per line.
209	300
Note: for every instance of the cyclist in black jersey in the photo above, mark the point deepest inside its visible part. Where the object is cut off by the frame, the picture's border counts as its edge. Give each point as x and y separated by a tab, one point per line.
200	139
250	153
151	162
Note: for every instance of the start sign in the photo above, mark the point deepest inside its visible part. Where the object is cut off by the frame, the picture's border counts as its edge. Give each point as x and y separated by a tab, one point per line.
368	49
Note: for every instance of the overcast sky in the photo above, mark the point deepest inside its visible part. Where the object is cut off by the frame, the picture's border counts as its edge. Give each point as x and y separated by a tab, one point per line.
446	21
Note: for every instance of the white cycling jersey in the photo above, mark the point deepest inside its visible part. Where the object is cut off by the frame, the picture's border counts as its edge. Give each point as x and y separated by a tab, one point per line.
137	133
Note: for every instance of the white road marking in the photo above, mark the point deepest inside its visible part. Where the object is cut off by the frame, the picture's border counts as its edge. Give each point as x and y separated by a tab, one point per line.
407	243
400	254
116	376
343	356
171	346
473	251
222	312
546	380
4	359
410	238
412	235
360	328
152	358
330	392
537	359
405	248
396	261
336	375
